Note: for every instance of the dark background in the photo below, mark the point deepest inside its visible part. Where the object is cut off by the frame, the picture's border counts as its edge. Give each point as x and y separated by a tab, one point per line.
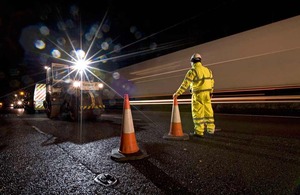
142	29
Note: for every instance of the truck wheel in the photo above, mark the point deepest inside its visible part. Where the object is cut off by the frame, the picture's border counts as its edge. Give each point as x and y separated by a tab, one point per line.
74	109
47	106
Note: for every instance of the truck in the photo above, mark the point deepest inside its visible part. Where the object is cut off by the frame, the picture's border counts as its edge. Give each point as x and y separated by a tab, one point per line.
71	93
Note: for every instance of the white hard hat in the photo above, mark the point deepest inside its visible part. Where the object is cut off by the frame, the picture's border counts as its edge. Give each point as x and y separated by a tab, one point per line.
196	58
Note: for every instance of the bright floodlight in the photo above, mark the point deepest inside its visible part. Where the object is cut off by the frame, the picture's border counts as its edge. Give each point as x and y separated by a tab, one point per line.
81	65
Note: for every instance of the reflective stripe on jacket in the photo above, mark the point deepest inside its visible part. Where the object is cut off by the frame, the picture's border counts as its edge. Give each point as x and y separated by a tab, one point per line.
198	78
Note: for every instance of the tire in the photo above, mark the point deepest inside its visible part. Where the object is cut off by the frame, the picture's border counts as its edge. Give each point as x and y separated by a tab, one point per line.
74	109
47	105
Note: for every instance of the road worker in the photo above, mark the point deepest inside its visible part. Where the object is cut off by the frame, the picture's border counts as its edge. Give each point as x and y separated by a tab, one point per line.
199	79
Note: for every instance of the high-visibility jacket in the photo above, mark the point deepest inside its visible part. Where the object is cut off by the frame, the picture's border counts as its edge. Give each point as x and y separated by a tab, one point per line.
199	78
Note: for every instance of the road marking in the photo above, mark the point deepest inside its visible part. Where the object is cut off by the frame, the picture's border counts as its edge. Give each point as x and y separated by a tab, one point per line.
38	130
27	119
258	115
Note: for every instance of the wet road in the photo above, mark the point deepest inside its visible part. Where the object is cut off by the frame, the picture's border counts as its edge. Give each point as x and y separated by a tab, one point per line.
250	155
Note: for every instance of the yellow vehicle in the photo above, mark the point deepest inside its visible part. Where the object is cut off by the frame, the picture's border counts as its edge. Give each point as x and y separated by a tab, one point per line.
69	93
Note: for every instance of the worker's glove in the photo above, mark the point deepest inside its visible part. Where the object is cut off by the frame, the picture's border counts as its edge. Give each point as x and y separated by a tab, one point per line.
211	95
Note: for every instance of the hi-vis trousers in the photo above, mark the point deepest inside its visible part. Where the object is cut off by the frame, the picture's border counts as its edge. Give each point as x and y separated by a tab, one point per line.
202	113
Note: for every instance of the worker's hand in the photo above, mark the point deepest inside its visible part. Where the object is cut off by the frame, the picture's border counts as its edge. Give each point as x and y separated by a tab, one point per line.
211	95
175	95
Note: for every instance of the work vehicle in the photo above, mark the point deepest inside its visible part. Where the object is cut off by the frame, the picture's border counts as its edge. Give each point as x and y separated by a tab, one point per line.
70	93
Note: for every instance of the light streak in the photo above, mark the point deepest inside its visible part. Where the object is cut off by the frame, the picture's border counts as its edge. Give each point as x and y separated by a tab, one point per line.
225	100
171	65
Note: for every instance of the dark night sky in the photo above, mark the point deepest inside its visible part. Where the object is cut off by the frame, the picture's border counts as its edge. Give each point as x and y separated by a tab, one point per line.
142	29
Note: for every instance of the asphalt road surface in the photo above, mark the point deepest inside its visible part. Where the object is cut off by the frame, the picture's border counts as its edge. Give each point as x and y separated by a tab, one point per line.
249	155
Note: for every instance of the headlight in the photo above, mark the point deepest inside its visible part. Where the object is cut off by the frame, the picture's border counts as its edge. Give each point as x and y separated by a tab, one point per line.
100	85
76	84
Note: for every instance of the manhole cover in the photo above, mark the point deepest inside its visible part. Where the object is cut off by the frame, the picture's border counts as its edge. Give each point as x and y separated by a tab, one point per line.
106	179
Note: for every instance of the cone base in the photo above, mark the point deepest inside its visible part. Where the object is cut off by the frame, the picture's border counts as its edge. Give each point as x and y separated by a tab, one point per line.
116	155
172	137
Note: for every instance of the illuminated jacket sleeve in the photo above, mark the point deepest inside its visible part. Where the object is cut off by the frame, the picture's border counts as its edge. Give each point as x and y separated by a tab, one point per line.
212	82
187	81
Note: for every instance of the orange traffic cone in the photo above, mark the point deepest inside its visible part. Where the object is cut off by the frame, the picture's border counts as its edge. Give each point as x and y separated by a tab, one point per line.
128	149
176	132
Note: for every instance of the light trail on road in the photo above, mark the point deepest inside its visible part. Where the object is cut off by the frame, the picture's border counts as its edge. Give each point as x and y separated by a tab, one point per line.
224	100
